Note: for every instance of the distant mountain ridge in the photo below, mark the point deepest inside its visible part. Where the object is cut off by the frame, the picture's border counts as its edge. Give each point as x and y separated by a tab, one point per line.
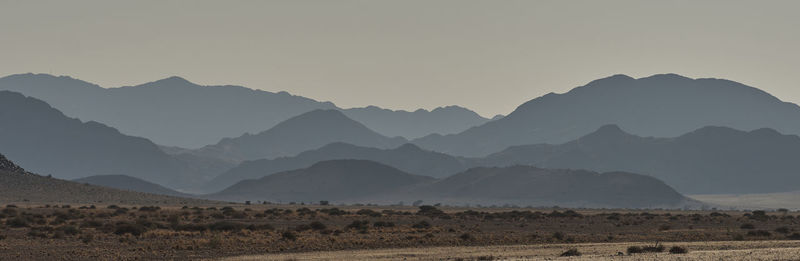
664	105
181	113
363	181
307	131
709	160
42	138
408	158
335	180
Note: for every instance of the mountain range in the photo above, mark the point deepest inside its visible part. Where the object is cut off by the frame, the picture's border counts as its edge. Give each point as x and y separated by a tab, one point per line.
709	160
664	105
176	112
408	158
307	131
362	181
335	180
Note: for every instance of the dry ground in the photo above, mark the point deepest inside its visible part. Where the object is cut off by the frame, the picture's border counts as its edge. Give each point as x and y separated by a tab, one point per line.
725	250
81	232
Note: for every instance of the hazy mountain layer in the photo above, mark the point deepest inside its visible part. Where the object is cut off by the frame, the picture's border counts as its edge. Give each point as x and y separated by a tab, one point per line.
336	180
176	112
707	160
308	131
525	185
41	138
661	105
361	181
408	158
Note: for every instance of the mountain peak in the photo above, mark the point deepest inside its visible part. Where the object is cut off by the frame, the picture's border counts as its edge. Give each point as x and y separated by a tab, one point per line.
7	165
172	81
609	132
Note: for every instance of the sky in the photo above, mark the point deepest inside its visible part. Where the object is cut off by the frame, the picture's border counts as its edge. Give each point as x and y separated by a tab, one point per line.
489	56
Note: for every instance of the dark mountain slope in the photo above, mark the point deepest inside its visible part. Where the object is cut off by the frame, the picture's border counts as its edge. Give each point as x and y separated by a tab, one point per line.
661	105
123	182
707	160
335	180
408	158
524	185
308	131
17	185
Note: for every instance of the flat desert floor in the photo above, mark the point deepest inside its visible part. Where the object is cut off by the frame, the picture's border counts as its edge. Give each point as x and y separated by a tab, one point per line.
725	250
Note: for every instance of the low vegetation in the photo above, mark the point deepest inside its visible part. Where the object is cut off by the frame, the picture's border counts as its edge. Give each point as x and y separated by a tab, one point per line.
176	231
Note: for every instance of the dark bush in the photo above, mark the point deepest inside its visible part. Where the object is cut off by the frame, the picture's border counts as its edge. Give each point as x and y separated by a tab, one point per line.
316	225
358	224
794	236
226	226
18	222
747	226
149	208
634	250
383	224
129	228
759	233
558	236
70	230
678	250
289	235
653	249
466	237
571	252
369	212
782	230
430	211
422	225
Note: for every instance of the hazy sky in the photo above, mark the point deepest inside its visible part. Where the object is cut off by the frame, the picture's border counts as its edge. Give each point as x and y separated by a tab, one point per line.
489	56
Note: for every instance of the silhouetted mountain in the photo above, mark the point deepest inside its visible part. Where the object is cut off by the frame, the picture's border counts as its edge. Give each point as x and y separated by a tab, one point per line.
408	158
335	180
176	112
308	131
661	105
43	139
419	123
128	183
524	185
707	160
17	185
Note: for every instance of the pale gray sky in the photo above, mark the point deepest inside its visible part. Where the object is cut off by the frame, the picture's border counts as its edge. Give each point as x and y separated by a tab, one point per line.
489	56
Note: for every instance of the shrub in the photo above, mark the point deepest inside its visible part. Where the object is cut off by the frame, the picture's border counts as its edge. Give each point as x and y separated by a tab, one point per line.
289	235
129	228
17	222
70	230
571	252
782	230
86	238
794	236
422	225
361	225
678	250
466	237
226	226
747	226
316	225
369	212
430	211
759	233
653	249
634	250
383	224
558	236
149	208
